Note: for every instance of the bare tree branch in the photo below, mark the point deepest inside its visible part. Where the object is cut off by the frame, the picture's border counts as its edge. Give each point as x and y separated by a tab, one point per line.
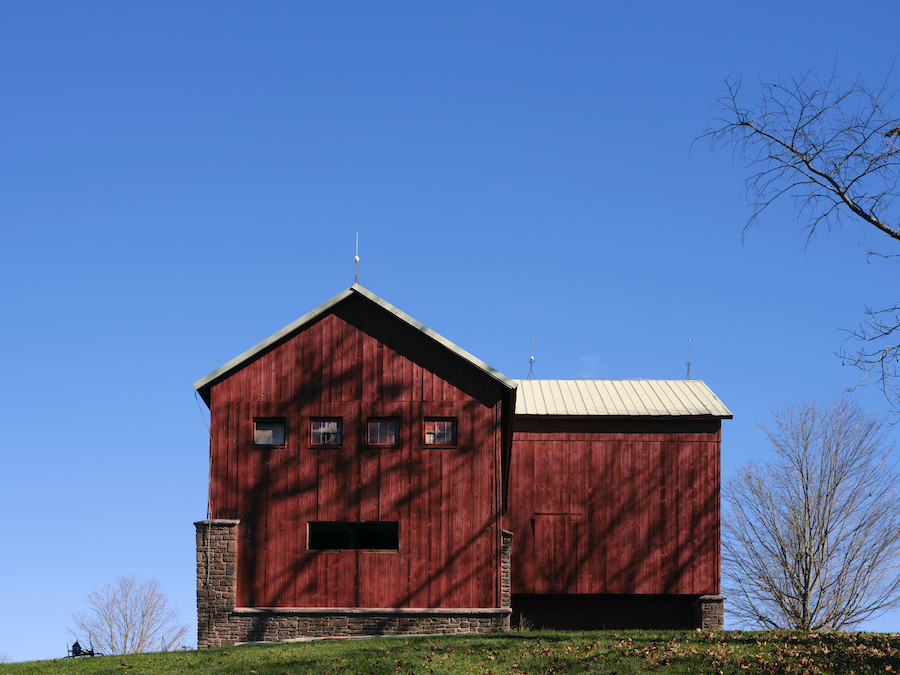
129	616
833	148
879	354
812	538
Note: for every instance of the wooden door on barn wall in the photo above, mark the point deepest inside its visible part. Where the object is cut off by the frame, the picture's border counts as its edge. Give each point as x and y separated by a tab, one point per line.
560	553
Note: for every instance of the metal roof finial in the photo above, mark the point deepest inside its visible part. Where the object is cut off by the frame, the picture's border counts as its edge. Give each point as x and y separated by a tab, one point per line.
356	260
531	362
689	359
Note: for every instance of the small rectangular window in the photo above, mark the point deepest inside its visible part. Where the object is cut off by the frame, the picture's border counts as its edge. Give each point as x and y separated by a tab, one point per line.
339	536
268	431
326	431
383	432
440	431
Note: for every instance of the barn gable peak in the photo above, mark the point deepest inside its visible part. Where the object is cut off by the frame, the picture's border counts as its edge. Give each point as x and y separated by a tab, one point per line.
205	384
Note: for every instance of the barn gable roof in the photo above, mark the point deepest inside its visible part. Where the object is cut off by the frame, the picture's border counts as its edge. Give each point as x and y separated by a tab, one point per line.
204	385
618	398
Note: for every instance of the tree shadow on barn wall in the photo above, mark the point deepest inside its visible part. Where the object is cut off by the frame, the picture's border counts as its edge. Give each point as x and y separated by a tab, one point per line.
627	534
446	500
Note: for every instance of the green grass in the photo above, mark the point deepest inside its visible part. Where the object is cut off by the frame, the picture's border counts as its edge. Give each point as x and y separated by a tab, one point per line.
624	652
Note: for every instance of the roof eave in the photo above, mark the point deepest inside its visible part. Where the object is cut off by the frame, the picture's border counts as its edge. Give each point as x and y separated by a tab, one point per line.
440	339
203	385
625	417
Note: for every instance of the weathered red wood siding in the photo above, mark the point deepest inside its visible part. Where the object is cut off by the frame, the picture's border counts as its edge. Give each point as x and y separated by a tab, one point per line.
356	362
615	506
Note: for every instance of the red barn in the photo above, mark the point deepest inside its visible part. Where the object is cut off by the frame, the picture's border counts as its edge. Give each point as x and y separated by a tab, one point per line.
361	466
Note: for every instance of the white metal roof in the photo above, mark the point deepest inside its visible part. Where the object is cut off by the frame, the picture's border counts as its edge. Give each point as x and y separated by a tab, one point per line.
618	398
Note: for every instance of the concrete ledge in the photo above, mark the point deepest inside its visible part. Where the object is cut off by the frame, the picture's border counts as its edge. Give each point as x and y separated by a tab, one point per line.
370	611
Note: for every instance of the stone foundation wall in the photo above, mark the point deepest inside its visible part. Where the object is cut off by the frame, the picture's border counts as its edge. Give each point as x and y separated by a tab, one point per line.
709	612
216	578
221	623
266	625
506	540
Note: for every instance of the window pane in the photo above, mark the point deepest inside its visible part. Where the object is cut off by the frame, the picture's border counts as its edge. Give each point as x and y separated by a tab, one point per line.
440	431
326	432
336	536
268	432
384	432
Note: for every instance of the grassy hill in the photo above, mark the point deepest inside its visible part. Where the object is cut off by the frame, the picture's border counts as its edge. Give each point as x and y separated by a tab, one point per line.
660	652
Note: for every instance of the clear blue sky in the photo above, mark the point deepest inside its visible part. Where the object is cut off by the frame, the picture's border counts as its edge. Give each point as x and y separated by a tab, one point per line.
180	180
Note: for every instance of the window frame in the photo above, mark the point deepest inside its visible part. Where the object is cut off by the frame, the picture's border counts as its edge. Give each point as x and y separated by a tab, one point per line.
370	420
284	432
340	431
440	418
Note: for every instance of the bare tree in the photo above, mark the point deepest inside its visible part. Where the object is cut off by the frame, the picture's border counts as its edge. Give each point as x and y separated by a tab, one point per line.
833	148
129	616
812	537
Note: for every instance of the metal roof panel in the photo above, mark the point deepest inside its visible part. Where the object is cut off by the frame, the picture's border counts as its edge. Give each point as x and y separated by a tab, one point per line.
619	398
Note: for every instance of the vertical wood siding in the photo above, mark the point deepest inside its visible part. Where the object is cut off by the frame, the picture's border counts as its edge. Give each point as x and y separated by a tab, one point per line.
357	362
615	506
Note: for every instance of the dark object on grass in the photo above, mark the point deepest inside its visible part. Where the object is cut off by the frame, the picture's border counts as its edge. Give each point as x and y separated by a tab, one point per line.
76	650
